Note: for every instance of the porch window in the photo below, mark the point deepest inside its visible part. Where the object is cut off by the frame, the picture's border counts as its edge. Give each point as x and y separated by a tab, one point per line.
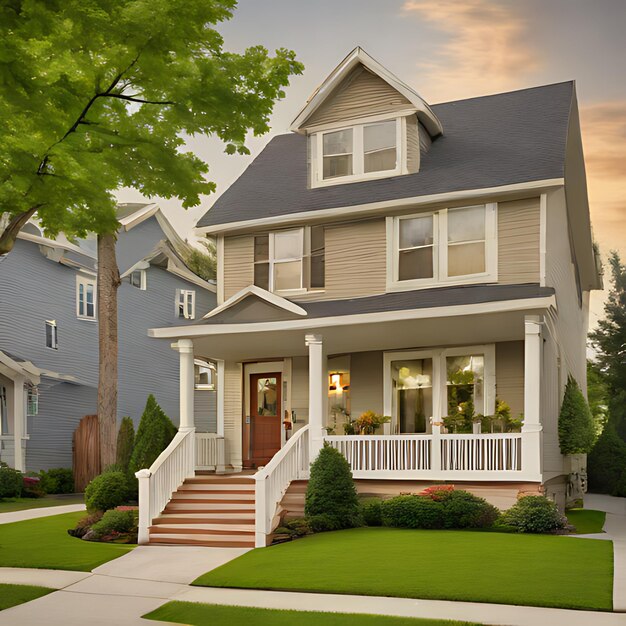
204	375
451	246
52	341
85	297
186	303
32	401
465	384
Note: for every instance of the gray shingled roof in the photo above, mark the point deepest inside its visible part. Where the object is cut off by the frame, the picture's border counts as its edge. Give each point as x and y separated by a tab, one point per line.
407	300
490	141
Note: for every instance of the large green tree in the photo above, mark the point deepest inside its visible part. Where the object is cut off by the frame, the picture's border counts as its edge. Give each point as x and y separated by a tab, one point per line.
99	94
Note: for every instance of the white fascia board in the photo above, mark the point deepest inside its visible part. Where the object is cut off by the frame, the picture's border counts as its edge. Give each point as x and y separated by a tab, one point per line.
506	306
52	243
140	215
381	207
267	296
65	378
24	368
140	265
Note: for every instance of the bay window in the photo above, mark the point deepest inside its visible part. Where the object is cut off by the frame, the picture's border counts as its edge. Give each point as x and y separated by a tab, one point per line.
448	246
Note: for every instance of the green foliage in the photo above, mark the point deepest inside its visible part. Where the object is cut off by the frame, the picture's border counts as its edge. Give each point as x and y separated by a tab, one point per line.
298	527
576	428
534	514
31	488
99	95
106	491
462	509
597	396
412	512
84	524
125	442
371	511
10	482
115	522
331	491
323	522
606	462
153	435
57	480
203	263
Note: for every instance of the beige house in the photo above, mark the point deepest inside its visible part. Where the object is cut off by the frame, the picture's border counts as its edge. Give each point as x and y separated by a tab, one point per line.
431	264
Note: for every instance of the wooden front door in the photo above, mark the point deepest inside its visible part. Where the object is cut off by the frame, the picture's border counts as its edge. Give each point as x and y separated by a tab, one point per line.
265	417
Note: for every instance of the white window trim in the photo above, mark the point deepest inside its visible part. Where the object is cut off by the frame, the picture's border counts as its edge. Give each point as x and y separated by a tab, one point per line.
54	335
207	365
142	281
358	157
32	392
82	280
181	298
439	386
440	259
301	258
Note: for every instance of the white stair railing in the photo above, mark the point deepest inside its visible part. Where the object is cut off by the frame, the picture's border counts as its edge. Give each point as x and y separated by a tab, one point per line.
165	476
210	452
291	462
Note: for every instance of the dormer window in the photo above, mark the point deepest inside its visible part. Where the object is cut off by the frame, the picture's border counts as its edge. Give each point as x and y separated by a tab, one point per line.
359	152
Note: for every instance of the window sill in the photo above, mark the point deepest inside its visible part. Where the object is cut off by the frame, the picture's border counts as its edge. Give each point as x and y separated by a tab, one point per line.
86	319
344	180
478	279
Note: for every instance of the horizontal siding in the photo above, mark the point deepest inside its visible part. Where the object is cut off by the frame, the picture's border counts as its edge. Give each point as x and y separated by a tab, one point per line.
412	144
518	241
510	375
205	410
360	94
238	264
366	382
233	412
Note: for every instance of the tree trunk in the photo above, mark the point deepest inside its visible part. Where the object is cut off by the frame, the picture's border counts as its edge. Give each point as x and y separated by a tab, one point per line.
108	282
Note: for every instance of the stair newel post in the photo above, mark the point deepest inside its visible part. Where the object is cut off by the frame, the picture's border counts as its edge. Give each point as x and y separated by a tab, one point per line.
260	509
143	477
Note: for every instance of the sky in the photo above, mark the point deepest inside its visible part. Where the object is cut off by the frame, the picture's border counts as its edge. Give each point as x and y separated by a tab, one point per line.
449	50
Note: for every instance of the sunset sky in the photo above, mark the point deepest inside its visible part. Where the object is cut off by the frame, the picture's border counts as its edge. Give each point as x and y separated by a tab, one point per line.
450	50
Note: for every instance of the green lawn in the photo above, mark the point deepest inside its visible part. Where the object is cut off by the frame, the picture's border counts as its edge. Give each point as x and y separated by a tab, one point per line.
586	521
44	543
536	570
21	504
12	595
195	614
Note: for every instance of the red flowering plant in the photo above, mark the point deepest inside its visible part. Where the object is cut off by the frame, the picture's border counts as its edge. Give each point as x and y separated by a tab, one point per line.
437	492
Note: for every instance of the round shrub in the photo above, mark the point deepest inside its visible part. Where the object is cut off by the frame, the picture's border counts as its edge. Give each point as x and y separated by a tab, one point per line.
57	480
331	490
115	522
412	512
462	509
534	514
106	491
10	482
371	511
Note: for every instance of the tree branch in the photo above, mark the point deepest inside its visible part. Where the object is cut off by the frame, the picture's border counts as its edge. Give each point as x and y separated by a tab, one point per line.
135	99
8	237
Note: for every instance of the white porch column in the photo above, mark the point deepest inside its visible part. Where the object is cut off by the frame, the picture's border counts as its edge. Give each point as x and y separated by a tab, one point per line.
531	429
19	421
318	393
185	350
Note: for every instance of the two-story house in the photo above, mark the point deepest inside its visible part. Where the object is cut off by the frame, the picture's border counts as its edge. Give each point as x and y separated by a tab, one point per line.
401	258
49	334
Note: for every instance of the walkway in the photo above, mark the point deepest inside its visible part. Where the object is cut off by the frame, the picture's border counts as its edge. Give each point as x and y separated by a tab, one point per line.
44	511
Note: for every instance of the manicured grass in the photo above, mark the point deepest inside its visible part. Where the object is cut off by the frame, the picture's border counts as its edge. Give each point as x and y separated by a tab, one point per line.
22	504
44	543
12	595
535	570
586	521
195	614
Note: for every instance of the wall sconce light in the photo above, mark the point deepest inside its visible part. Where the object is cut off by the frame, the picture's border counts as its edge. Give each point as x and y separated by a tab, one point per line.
336	383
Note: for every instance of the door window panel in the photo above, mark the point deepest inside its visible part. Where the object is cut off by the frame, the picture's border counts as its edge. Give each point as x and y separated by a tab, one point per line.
413	394
267	395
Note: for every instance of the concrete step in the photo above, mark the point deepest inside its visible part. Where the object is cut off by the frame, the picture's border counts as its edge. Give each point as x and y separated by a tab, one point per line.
213	541
213	529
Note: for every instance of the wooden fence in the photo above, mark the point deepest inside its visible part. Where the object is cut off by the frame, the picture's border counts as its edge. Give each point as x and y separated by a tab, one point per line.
86	452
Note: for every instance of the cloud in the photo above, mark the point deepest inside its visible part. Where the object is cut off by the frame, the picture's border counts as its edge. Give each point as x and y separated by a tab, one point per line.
487	49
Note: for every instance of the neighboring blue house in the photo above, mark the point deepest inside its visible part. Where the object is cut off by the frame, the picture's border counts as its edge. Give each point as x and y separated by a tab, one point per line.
49	334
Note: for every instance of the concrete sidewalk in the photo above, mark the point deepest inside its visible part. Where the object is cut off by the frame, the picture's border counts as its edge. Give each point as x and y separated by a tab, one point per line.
45	511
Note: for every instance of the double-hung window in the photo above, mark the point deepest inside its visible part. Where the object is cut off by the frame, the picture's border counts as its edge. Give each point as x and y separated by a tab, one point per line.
450	246
85	297
290	260
186	303
32	400
52	340
137	278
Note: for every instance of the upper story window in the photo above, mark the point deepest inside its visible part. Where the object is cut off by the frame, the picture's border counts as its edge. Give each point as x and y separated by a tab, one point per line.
186	303
52	340
450	246
137	278
85	297
360	152
204	374
290	260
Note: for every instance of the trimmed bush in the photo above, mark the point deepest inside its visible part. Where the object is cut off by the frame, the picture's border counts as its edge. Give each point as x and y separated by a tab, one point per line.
576	428
31	487
115	522
462	509
371	511
331	491
323	522
125	443
412	512
10	482
534	514
106	491
57	480
154	434
606	462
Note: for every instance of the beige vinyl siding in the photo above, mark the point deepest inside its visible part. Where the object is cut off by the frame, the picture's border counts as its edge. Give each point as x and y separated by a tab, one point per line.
412	144
550	400
424	137
510	375
359	95
300	390
366	382
238	264
232	413
518	241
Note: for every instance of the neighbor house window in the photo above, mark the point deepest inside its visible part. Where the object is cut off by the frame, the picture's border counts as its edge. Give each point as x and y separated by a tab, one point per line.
137	278
447	246
32	401
51	335
360	152
186	303
290	260
204	374
85	297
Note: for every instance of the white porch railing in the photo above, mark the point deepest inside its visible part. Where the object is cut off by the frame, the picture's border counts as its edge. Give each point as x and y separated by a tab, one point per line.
434	457
210	451
291	462
165	476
